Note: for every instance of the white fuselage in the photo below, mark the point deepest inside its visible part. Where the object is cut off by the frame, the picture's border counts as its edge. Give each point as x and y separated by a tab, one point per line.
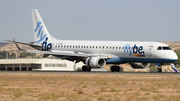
120	51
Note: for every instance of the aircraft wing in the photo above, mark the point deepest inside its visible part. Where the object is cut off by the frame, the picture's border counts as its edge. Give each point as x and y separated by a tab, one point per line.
77	55
58	53
36	46
51	53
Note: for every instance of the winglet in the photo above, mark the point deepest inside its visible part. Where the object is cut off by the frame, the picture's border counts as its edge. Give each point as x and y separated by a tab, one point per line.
18	46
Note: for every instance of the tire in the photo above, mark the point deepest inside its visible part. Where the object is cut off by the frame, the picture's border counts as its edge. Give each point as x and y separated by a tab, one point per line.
84	68
113	68
117	69
159	70
88	69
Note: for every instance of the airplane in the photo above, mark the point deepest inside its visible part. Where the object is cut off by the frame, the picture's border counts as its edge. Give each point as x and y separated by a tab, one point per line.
96	54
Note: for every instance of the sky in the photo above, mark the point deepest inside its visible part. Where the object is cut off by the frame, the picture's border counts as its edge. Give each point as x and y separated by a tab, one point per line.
112	20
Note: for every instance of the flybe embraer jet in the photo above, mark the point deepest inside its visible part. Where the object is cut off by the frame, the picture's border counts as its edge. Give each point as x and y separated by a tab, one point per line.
96	54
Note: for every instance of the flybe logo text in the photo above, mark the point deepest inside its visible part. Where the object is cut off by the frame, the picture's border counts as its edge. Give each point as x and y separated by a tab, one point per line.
137	51
40	27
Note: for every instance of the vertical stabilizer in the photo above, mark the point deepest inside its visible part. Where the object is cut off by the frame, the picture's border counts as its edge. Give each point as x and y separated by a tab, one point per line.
39	28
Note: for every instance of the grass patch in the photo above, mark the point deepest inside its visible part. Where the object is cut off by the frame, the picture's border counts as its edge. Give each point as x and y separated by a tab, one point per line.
48	96
80	91
144	89
113	90
103	89
5	84
17	93
84	86
102	82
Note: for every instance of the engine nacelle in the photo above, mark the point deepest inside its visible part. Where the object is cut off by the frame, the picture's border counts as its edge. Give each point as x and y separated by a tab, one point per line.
95	62
138	65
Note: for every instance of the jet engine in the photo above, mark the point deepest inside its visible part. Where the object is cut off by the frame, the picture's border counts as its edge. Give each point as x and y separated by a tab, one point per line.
138	65
95	62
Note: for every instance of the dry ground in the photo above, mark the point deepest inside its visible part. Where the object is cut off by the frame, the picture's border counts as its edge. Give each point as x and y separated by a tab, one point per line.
58	87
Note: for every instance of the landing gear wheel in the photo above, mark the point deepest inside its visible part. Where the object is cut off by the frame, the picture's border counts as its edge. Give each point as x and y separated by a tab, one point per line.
159	70
113	68
88	69
84	68
117	69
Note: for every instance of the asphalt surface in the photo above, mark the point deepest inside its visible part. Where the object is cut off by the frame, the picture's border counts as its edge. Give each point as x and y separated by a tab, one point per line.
88	73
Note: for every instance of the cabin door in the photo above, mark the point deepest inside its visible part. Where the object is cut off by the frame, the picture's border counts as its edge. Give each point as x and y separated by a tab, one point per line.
150	53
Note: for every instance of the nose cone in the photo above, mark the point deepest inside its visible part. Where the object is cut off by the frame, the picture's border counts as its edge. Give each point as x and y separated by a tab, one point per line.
174	56
171	56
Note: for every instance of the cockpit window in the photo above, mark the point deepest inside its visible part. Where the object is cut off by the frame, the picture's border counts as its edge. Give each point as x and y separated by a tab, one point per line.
159	48
167	48
163	48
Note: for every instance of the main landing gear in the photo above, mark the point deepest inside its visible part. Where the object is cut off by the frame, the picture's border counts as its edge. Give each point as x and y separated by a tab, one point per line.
86	69
159	68
115	68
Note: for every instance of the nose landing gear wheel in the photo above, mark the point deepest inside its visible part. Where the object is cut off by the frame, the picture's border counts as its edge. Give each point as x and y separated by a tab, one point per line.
159	70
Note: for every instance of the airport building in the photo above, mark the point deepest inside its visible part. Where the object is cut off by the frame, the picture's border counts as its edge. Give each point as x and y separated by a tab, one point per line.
39	64
61	65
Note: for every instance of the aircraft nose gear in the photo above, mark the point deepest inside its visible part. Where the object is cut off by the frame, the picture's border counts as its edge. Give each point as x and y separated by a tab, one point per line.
115	68
85	68
159	70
